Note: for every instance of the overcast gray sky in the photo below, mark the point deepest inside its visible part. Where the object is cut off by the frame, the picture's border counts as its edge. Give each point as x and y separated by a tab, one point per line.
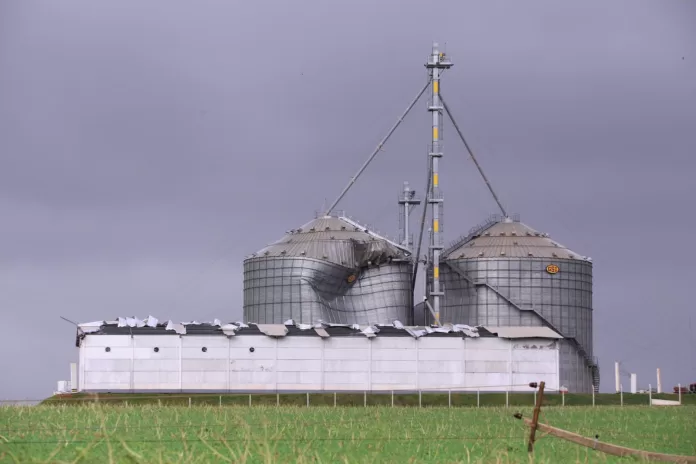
147	147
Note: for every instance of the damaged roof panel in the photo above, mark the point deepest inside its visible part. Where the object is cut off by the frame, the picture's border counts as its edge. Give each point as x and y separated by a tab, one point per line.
151	326
524	332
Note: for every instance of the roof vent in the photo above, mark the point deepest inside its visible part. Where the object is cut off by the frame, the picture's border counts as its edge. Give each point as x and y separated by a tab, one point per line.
462	256
288	240
312	229
343	227
327	228
298	230
502	253
302	253
283	252
487	234
530	254
513	233
571	256
528	234
333	238
324	257
554	255
480	254
515	243
357	229
265	253
502	234
472	244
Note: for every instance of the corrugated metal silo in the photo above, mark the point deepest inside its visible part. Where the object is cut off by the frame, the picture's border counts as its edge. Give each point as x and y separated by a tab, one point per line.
504	273
330	269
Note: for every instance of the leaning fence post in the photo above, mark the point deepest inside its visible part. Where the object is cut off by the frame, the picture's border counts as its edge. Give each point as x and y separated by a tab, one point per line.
562	397
478	397
649	394
365	398
220	400
535	417
449	398
277	399
392	398
307	399
621	393
420	399
189	401
334	399
507	398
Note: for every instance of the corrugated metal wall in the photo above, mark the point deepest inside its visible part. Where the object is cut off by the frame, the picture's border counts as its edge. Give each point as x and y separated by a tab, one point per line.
308	290
574	372
564	299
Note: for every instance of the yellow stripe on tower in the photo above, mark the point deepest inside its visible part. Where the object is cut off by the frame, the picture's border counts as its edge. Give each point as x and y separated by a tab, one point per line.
436	272
435	133
436	87
436	225
436	180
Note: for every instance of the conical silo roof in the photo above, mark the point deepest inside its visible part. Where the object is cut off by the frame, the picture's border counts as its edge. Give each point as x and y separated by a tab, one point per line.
508	238
336	239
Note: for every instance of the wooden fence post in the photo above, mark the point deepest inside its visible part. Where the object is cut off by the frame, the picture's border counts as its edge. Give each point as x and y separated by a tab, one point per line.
535	418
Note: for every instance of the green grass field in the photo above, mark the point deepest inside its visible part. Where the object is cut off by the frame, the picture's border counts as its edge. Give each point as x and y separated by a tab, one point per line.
149	433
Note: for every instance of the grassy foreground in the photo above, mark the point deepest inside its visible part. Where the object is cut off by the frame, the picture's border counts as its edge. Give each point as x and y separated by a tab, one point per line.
149	433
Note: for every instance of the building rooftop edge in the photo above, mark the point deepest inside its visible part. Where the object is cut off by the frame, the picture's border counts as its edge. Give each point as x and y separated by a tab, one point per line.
151	326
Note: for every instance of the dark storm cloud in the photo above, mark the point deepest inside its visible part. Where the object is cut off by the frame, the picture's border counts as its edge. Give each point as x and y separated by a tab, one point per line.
146	148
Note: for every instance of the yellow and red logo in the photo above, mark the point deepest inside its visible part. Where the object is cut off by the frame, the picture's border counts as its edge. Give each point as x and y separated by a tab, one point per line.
351	278
552	269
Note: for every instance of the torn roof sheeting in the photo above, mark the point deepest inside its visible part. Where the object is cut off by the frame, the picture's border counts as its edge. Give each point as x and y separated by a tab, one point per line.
151	326
230	329
89	327
524	332
178	328
273	330
321	332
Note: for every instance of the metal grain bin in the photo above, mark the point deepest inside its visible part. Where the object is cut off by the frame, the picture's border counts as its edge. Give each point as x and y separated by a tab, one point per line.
330	269
504	273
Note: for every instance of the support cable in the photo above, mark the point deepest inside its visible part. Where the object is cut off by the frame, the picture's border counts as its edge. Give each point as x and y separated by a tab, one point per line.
379	147
473	158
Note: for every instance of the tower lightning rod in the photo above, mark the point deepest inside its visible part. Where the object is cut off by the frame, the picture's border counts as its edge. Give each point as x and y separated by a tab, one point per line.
379	147
473	158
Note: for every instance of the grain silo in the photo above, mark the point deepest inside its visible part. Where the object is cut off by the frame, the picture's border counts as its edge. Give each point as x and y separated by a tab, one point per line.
506	274
331	269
